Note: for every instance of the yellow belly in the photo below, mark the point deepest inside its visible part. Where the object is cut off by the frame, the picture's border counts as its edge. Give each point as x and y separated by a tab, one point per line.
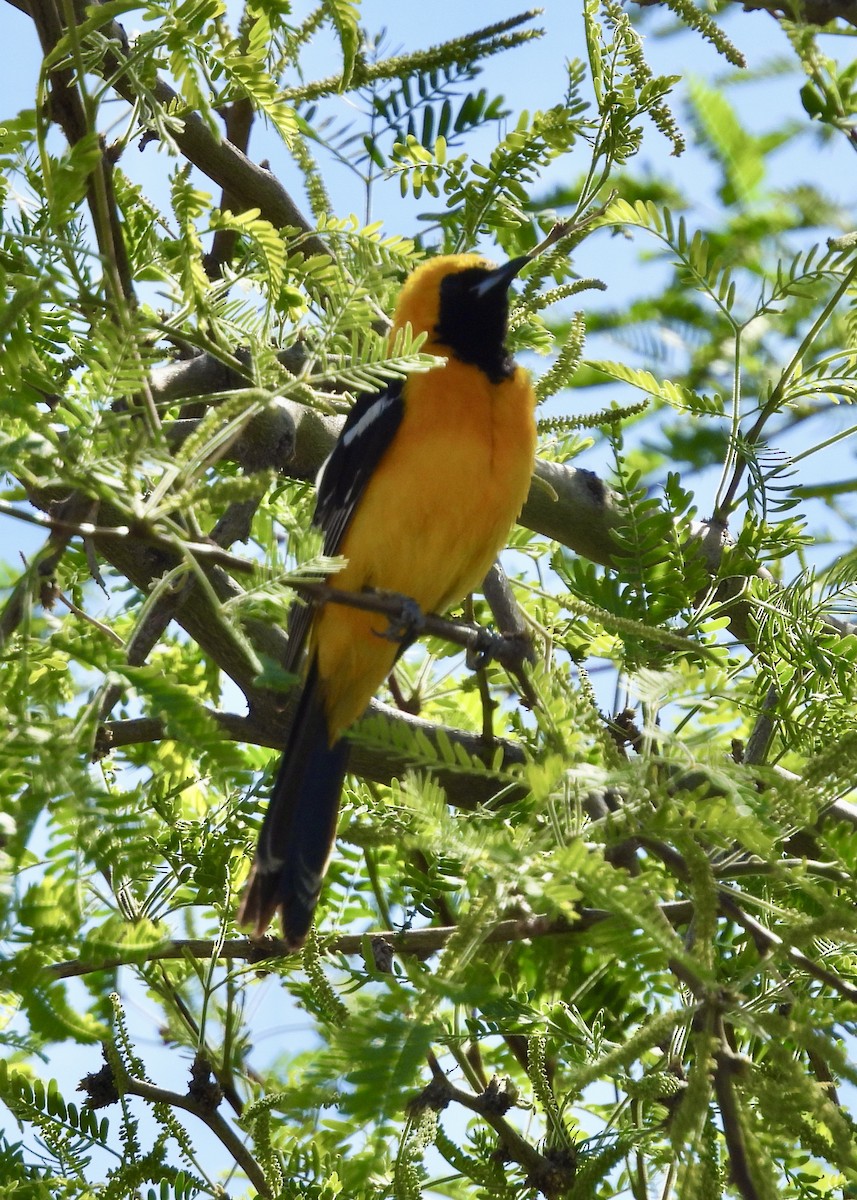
431	521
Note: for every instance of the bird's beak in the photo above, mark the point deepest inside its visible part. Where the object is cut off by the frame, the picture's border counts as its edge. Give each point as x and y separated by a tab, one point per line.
501	277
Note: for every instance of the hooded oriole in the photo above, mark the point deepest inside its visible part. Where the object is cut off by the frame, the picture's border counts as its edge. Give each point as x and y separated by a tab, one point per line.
418	494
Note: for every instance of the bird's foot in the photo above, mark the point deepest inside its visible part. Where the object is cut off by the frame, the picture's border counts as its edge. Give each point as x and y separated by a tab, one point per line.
486	647
407	624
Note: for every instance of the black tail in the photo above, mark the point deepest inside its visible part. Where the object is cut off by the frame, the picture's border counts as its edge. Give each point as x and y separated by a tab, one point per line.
300	825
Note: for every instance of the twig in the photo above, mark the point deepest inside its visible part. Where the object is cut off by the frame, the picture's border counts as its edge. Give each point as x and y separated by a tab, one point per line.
419	943
772	405
768	941
508	614
548	1175
764	938
238	119
540	1168
210	1117
109	633
753	866
506	650
762	735
43	566
139	532
733	1131
569	229
821	1071
841	810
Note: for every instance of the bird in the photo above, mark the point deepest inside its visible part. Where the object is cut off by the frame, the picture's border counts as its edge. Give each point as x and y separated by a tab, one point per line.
418	496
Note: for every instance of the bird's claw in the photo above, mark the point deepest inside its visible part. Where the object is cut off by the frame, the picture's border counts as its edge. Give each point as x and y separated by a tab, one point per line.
407	625
484	648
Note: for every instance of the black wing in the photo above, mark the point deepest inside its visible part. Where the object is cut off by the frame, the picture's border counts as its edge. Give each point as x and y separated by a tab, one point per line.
368	431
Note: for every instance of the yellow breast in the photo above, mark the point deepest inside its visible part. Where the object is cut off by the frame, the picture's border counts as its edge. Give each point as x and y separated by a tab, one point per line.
432	519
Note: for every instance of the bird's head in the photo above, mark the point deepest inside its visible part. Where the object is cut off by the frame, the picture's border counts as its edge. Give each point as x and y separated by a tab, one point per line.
461	301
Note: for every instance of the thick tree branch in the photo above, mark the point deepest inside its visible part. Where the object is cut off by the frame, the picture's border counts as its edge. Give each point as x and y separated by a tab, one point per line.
568	504
269	721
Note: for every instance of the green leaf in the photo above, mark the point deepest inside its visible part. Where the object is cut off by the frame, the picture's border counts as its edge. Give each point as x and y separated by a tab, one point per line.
345	15
737	152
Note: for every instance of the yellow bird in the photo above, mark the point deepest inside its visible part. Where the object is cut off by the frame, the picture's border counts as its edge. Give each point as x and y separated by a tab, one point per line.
419	495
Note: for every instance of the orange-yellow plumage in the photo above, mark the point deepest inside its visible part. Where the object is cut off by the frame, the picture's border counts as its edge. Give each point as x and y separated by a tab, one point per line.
426	485
439	507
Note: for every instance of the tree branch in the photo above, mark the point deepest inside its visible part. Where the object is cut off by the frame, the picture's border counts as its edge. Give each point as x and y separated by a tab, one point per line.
768	942
419	943
221	1128
267	726
39	572
140	533
250	185
548	1174
733	1129
567	504
803	12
